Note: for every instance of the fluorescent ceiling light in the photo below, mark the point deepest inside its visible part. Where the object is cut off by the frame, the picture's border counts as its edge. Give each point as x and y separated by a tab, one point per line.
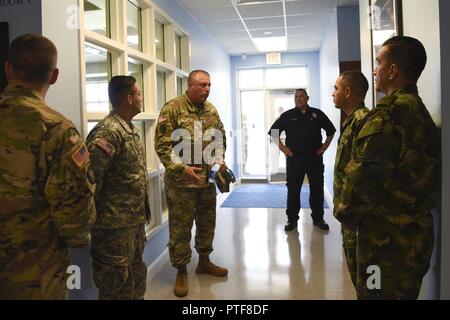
268	44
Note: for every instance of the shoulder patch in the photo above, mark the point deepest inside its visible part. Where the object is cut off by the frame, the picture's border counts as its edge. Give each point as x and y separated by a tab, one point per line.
105	146
81	156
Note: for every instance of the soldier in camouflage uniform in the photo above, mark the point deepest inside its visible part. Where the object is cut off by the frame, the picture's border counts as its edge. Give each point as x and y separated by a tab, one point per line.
349	93
118	161
194	121
391	181
46	185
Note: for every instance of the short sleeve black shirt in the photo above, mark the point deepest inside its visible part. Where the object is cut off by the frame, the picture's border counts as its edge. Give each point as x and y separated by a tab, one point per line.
303	130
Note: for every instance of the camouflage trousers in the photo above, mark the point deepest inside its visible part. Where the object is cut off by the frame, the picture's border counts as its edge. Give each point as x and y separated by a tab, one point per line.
15	289
402	256
349	245
35	275
186	206
118	269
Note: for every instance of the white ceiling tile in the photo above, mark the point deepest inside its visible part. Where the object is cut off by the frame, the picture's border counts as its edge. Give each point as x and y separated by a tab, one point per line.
207	15
230	36
299	7
238	43
300	10
304	43
261	10
307	30
241	48
252	2
264	23
239	34
308	20
278	32
189	4
231	25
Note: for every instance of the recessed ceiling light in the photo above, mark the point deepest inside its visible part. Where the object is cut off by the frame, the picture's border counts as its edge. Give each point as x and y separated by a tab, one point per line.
268	44
267	32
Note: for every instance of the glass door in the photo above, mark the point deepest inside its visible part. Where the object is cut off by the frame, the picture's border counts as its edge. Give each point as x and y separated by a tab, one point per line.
253	135
278	101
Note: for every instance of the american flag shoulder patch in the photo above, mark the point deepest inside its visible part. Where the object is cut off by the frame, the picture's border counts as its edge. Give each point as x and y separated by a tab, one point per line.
81	156
105	146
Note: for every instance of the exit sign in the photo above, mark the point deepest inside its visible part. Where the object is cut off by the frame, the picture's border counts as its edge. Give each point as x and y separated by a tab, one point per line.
273	58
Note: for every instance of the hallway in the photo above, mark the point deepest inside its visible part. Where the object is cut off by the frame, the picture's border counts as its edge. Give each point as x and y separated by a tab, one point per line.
264	261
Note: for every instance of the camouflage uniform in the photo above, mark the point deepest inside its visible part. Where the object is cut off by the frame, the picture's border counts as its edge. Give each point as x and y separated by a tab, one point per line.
343	156
118	235
388	191
47	201
187	202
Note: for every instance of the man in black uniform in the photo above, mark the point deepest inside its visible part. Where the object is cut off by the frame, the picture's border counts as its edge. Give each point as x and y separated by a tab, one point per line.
304	155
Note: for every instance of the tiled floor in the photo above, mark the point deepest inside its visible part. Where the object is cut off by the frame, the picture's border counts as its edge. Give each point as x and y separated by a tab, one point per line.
265	262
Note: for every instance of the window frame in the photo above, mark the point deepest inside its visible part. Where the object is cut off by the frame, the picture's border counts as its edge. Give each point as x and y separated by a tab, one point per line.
121	52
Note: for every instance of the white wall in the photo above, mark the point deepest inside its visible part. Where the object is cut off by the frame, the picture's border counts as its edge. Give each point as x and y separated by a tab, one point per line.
329	72
366	49
430	91
65	95
428	33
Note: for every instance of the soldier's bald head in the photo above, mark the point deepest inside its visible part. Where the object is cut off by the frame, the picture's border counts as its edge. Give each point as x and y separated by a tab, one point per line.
194	73
33	58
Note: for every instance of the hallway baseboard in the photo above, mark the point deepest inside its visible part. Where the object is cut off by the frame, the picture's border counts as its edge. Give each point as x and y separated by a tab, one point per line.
158	264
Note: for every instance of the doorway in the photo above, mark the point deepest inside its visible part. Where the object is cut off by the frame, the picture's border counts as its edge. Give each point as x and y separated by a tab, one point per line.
261	159
264	94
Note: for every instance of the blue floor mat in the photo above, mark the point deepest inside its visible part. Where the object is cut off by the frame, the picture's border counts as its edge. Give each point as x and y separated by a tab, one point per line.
264	196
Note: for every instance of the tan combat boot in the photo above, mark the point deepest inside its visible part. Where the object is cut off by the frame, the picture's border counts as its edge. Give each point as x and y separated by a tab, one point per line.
207	267
181	283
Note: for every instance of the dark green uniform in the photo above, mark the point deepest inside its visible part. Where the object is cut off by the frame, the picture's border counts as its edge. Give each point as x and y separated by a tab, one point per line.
186	202
388	191
118	236
46	190
343	156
